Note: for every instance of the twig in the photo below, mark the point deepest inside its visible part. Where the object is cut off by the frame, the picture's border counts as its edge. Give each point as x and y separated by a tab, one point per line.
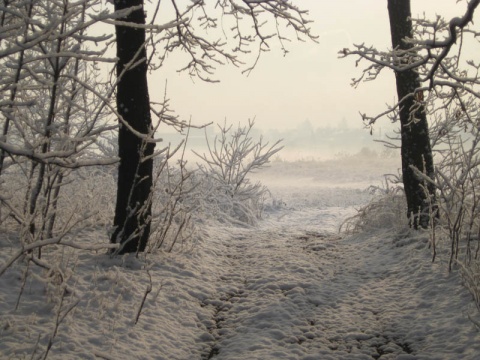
148	290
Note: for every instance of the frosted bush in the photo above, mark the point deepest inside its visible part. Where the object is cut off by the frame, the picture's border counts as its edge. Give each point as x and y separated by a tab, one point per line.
219	202
85	201
173	207
385	212
232	157
218	190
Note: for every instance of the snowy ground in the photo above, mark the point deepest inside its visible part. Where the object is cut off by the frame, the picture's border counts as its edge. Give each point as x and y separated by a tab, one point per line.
291	288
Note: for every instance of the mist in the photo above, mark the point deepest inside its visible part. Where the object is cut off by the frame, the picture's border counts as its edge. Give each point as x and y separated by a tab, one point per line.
304	142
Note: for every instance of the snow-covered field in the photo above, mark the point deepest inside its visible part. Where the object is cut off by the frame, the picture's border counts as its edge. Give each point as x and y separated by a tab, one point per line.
291	288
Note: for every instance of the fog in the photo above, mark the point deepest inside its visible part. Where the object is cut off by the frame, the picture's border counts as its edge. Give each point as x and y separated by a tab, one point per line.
309	85
302	143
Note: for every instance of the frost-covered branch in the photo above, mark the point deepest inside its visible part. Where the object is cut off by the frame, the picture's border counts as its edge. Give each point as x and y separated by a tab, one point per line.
204	32
428	53
234	154
455	25
232	157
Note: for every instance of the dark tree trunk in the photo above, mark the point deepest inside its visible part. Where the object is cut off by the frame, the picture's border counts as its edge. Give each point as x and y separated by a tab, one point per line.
416	148
133	207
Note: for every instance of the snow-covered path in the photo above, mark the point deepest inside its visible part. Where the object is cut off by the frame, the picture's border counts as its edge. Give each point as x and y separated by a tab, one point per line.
290	288
294	289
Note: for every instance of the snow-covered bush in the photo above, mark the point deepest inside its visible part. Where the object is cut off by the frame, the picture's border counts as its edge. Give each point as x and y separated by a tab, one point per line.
54	180
219	203
172	207
457	138
223	174
385	212
52	114
218	190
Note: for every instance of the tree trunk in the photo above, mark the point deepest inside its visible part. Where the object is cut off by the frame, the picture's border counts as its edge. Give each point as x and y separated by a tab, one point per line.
416	149
133	207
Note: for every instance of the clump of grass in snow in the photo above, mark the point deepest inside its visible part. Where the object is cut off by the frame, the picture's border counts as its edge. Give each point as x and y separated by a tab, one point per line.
385	212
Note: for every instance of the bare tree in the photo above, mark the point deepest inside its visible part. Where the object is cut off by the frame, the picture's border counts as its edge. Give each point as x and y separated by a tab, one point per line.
421	61
415	145
448	92
135	172
197	29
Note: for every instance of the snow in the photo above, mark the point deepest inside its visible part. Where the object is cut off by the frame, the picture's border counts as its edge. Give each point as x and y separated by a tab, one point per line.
292	287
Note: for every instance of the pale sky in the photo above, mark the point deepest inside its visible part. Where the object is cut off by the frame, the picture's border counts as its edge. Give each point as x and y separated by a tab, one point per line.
310	82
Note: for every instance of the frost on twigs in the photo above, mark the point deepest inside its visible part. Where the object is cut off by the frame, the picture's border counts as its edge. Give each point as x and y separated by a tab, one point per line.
436	51
456	135
449	91
173	212
55	112
231	158
383	213
186	199
228	31
55	181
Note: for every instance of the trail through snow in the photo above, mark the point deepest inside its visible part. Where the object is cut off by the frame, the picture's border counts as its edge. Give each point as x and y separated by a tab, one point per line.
295	289
291	288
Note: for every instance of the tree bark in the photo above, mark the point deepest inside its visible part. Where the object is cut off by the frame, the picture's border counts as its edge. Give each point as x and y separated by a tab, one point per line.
133	207
416	149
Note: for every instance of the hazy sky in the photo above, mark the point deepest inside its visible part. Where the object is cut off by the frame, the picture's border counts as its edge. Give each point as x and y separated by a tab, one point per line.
308	83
